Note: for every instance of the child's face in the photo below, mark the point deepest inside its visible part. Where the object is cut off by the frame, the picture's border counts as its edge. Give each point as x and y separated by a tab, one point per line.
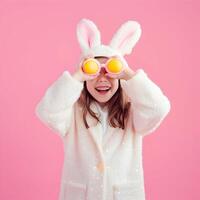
97	87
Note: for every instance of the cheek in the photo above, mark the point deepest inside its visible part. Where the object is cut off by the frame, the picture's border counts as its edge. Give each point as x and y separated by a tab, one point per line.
90	87
115	86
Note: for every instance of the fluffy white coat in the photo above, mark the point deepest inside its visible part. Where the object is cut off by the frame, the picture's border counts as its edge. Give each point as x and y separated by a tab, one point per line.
96	165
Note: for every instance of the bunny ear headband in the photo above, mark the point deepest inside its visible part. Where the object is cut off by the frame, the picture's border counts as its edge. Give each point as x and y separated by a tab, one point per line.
122	42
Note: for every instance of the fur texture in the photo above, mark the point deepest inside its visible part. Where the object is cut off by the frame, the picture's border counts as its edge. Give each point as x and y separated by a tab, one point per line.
102	166
122	43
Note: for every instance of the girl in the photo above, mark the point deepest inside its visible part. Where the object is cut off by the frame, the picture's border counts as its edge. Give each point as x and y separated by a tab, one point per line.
102	118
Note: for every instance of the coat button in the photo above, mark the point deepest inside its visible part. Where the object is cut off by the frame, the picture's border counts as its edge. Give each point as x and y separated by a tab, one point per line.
100	166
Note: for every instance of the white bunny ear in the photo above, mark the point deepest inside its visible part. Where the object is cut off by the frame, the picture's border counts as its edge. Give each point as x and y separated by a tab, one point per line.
126	37
88	34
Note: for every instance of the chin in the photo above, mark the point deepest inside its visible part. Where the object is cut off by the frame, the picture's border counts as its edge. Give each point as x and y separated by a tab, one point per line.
103	100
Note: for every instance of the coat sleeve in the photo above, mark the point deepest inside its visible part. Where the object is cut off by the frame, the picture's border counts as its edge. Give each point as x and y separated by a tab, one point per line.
56	106
149	105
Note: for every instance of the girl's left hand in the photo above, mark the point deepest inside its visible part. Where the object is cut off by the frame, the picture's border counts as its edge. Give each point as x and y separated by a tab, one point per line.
126	74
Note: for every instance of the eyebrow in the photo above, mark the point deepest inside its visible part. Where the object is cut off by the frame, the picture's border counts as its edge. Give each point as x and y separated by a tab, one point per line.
100	57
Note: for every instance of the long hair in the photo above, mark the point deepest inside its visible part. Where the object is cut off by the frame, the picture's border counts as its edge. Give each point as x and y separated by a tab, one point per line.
118	107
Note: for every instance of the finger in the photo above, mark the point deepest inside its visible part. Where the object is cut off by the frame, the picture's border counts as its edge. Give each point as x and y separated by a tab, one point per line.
108	75
111	75
92	76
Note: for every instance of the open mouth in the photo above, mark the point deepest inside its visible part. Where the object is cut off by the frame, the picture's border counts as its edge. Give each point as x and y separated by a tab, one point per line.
102	90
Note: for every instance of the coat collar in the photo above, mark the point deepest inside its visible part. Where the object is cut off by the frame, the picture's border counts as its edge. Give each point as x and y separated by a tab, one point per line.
92	122
95	128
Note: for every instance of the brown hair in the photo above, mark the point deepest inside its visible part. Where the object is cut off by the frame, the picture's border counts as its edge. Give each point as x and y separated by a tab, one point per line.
118	107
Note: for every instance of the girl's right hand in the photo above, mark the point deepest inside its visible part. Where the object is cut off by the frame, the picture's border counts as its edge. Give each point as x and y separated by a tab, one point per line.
81	76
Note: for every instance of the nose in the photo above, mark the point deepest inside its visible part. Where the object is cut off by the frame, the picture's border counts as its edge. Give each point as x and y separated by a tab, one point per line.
102	76
103	70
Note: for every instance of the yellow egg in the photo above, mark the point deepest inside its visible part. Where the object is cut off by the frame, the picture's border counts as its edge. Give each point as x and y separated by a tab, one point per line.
114	65
90	67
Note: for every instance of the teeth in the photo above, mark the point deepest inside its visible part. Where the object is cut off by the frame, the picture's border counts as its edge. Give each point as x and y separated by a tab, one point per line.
102	89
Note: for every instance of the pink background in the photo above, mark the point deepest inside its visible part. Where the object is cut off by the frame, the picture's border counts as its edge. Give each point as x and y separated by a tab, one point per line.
38	42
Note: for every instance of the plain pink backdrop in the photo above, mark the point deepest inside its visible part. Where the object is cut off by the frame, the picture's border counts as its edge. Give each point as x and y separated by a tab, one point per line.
38	42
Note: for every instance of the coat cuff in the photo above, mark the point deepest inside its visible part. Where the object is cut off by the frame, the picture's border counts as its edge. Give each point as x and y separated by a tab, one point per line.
63	93
140	89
